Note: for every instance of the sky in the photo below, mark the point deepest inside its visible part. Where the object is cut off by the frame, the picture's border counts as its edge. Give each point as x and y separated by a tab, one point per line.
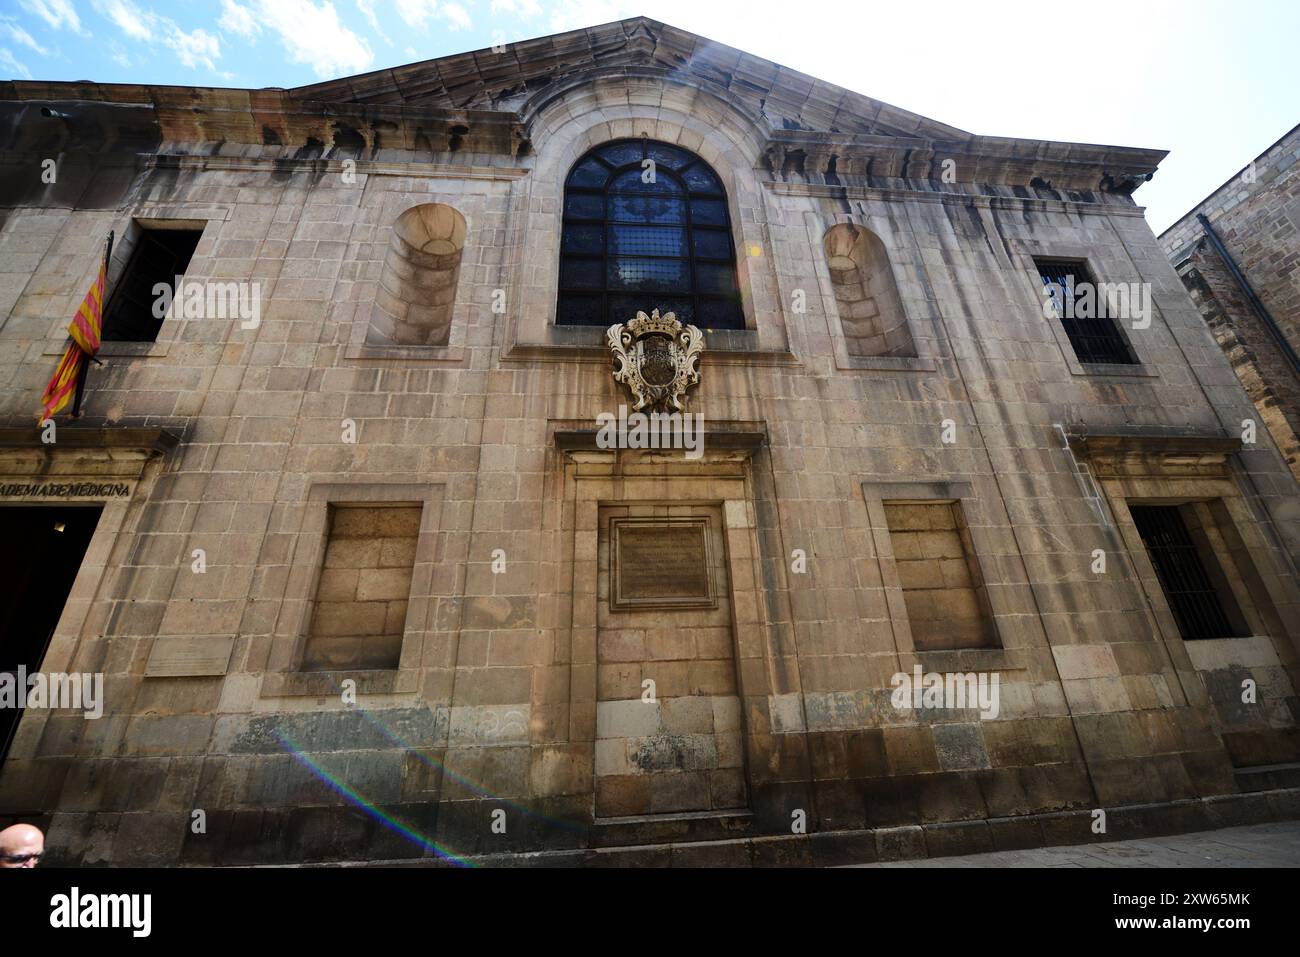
1212	81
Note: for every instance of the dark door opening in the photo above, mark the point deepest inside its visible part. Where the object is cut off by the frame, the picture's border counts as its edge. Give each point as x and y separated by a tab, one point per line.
41	548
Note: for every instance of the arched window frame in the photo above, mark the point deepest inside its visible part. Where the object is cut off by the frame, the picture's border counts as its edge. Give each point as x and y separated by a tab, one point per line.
710	296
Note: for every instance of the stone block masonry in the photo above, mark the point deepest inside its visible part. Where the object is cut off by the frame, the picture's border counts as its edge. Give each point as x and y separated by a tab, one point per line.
403	645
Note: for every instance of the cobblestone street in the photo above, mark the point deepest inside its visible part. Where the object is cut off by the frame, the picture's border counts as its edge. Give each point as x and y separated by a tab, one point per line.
1261	845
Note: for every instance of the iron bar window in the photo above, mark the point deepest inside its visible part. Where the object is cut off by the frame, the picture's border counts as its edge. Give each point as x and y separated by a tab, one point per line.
1092	333
646	227
1192	597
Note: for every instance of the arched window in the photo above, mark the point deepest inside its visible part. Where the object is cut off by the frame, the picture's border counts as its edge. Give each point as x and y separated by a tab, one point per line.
646	227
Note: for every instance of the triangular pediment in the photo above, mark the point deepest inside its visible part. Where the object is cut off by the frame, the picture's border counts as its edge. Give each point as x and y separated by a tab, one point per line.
504	78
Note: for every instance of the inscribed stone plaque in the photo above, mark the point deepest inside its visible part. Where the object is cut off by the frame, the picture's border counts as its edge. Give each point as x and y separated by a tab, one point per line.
660	563
178	656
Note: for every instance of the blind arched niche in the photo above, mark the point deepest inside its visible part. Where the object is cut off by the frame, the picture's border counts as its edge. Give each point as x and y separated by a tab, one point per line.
417	287
871	311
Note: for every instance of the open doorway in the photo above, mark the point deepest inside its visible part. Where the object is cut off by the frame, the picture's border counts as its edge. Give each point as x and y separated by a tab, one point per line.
41	548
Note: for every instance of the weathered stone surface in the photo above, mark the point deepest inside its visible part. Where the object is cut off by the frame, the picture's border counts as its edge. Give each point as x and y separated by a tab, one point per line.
882	486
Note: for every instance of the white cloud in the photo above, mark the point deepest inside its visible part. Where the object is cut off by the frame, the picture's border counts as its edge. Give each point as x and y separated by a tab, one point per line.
237	19
367	8
418	13
525	9
314	35
135	23
55	12
9	62
197	46
191	48
456	16
19	35
577	14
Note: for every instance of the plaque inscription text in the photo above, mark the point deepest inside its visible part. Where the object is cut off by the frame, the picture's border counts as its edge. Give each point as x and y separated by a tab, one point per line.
660	563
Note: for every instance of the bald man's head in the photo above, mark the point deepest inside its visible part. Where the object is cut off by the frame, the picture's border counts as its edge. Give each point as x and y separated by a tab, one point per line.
21	846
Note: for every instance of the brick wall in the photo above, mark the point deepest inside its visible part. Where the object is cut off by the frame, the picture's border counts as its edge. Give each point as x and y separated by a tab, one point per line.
1257	217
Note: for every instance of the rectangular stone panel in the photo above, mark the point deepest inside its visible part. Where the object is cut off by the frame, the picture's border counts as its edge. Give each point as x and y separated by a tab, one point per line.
936	568
669	736
661	563
359	616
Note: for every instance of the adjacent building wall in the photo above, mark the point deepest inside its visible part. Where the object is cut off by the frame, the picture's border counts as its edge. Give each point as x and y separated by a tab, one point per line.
1256	215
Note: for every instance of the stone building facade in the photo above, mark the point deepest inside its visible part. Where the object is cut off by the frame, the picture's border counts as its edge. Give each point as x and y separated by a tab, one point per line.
1255	218
363	584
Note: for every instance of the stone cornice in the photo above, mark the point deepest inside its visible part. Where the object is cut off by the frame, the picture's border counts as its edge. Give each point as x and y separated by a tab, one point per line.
150	441
980	200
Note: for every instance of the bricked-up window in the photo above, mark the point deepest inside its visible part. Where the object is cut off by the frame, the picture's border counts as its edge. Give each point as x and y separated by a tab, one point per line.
360	611
942	588
160	255
646	227
1189	577
1092	333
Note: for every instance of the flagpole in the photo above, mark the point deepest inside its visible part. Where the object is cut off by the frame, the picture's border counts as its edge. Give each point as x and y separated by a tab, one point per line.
85	363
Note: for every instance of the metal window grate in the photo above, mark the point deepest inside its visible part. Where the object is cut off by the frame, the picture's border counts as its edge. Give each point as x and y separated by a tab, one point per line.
1190	593
1095	339
629	245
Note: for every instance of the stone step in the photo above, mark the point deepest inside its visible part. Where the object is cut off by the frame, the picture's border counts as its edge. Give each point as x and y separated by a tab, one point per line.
1268	777
672	828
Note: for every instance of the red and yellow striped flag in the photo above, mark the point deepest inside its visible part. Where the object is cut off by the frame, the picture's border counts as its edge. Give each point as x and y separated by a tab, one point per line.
64	384
85	330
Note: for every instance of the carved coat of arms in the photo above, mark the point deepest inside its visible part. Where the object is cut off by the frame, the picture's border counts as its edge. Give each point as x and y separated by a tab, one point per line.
657	358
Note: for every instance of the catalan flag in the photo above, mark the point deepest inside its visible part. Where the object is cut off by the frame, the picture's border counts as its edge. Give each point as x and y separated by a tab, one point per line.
85	330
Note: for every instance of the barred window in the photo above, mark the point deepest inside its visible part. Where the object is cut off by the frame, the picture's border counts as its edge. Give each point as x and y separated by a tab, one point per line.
646	227
1201	609
1092	333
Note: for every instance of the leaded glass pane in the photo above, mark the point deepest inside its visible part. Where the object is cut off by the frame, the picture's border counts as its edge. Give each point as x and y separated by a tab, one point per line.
620	154
646	209
670	156
580	310
629	245
647	240
623	308
714	277
580	274
708	212
711	244
584	206
583	238
589	173
648	275
701	180
634	181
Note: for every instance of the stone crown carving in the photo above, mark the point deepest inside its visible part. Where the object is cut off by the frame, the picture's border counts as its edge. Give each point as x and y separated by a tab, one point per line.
657	359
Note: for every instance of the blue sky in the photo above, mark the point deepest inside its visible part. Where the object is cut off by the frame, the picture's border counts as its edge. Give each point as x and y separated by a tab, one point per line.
1213	81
